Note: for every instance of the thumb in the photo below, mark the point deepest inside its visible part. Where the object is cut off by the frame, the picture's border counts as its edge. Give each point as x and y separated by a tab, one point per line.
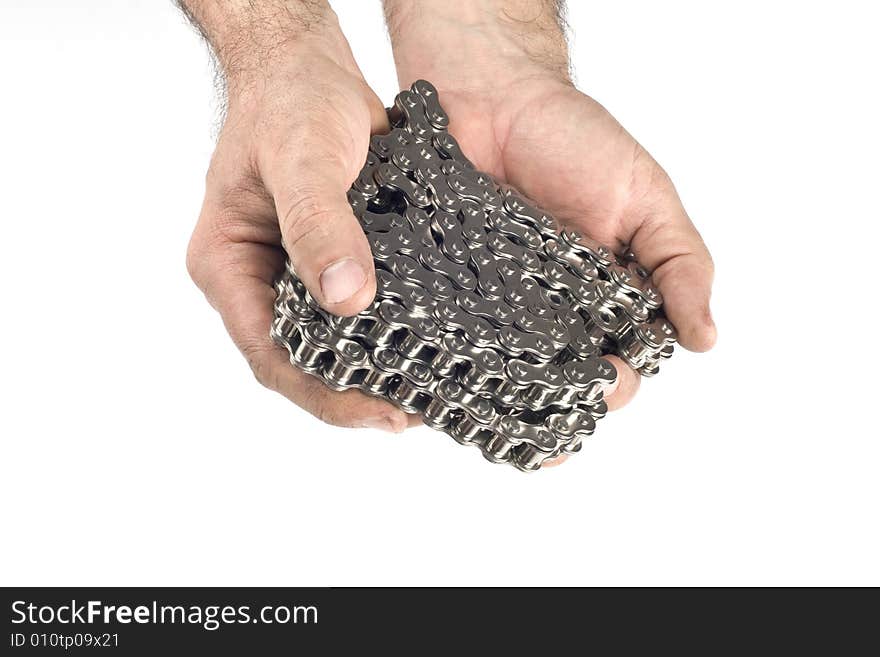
323	238
668	243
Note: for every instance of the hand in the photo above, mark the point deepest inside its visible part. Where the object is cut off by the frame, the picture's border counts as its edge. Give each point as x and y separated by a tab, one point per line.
517	116
295	136
567	153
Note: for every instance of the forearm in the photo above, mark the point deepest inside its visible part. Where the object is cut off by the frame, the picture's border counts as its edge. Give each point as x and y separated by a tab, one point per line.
247	36
472	43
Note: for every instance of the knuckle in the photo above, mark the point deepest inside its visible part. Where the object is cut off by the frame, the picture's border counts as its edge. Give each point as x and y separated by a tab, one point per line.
325	413
306	212
199	254
701	262
256	356
662	180
319	405
710	266
328	407
199	250
194	260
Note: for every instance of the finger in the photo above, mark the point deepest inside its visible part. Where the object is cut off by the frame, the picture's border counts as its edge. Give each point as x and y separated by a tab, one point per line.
617	394
556	460
237	281
247	312
625	387
667	243
308	180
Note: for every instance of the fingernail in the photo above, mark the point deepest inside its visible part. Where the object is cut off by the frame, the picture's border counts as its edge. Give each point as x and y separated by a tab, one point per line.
342	279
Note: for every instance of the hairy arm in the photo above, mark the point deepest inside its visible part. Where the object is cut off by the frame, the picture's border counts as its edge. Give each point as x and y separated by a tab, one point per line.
246	35
480	41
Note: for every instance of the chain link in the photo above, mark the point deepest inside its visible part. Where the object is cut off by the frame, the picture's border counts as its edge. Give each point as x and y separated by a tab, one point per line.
489	320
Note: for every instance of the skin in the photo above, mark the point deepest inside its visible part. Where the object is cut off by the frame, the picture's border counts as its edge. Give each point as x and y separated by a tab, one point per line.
297	97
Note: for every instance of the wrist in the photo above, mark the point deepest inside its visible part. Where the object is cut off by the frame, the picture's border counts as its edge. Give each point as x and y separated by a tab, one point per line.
477	43
252	42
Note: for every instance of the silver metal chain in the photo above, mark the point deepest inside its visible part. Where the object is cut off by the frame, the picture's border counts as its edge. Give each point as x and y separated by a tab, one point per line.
489	320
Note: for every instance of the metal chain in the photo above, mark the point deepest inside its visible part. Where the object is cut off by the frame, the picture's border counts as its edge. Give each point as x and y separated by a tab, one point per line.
488	321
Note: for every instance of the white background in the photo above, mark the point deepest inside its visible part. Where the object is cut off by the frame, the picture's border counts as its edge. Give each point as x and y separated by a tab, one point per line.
138	449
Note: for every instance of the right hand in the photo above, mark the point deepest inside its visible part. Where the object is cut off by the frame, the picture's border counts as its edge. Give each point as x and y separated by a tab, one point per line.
296	135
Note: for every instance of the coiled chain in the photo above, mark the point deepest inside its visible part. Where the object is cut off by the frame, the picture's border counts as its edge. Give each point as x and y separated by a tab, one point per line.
488	320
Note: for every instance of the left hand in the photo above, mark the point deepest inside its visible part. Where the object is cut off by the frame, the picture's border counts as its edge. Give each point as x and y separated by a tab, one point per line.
563	150
501	70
